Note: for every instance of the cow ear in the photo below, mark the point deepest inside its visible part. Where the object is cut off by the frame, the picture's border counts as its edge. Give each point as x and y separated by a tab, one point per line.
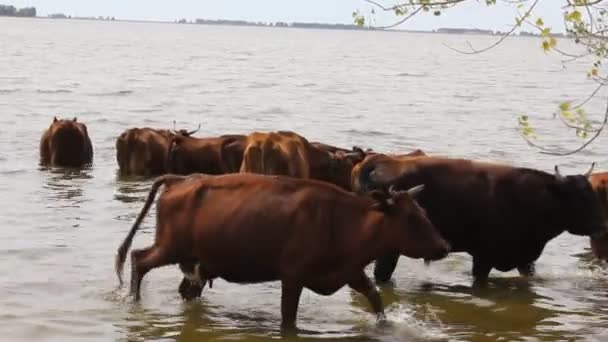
75	119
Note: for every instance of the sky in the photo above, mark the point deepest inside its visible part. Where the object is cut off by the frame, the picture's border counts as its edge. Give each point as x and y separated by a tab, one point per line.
472	14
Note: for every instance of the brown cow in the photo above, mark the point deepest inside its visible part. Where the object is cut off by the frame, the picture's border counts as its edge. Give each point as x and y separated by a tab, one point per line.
336	149
382	158
250	228
503	216
599	182
66	143
217	155
143	151
288	153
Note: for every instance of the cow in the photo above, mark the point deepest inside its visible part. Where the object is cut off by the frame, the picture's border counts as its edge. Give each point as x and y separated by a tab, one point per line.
336	149
599	182
249	228
288	153
216	155
502	216
143	151
66	143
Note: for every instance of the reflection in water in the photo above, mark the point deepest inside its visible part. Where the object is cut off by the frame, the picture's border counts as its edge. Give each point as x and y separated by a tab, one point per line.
132	189
507	309
66	185
200	321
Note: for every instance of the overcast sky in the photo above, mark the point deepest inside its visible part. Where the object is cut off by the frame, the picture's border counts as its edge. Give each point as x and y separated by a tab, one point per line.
470	15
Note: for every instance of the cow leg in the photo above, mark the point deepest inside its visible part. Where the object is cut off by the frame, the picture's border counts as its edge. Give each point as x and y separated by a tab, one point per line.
362	284
194	281
481	271
142	261
527	270
290	298
385	266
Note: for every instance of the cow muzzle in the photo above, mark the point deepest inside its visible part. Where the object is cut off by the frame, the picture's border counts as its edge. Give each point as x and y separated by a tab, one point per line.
442	253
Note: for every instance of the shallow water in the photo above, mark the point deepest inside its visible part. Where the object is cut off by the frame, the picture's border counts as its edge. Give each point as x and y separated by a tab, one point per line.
388	91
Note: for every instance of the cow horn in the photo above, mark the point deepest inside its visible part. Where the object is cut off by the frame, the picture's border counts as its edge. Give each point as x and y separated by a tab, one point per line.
393	192
415	191
174	124
75	119
55	119
558	175
196	130
588	173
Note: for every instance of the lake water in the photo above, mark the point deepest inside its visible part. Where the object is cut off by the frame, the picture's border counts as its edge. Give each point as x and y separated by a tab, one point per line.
388	91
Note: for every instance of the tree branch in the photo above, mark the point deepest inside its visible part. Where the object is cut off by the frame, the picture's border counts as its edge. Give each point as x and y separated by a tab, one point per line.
502	38
545	150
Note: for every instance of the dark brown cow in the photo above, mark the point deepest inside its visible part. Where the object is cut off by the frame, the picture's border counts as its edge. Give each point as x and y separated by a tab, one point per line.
66	143
502	216
143	151
288	153
599	182
249	228
217	155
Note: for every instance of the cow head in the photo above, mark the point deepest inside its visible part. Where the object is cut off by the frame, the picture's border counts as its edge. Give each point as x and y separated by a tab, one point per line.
580	204
374	172
341	165
417	236
184	132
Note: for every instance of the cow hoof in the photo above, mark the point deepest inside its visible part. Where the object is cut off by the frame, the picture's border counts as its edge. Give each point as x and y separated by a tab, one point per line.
189	291
382	321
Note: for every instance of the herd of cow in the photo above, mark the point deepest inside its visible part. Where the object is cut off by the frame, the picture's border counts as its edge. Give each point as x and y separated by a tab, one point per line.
274	206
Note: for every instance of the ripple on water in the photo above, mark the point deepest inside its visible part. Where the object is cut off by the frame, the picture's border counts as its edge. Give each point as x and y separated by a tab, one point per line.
113	93
54	91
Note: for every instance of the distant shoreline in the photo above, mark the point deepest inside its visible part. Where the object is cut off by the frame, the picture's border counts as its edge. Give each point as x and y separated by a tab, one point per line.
301	25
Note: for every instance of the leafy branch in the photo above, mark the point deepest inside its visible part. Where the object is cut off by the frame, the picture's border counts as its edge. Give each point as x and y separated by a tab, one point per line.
585	21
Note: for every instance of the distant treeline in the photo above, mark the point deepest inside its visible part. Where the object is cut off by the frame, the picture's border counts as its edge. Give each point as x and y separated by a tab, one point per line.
12	11
277	24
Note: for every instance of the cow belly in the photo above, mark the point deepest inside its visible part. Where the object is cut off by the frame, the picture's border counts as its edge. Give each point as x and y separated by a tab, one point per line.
245	275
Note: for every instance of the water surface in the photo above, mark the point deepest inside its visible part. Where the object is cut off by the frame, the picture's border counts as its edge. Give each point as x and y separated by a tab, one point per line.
387	91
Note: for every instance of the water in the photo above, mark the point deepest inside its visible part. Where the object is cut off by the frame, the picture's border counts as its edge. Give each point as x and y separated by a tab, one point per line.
388	91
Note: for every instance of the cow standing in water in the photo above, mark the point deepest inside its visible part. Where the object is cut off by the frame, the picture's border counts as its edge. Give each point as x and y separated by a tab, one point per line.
143	151
288	153
599	181
250	228
66	143
214	155
502	216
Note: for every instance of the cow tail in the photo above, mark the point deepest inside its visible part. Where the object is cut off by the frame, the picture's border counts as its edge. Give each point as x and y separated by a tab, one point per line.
121	256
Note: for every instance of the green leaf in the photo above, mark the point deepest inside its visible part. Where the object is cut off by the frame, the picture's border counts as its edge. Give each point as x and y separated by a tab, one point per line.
565	106
540	22
574	16
552	42
545	32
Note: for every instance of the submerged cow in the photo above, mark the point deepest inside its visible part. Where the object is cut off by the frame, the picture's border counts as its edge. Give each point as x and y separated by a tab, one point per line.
599	181
502	216
66	143
249	228
216	155
288	153
143	151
